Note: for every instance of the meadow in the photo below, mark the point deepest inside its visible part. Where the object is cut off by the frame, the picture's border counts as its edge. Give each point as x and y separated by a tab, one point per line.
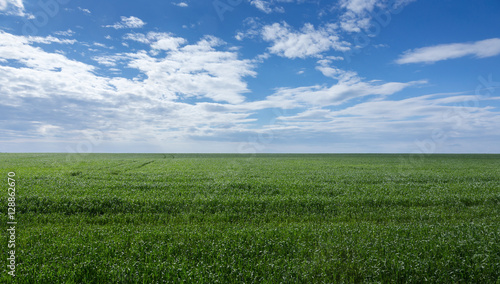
201	218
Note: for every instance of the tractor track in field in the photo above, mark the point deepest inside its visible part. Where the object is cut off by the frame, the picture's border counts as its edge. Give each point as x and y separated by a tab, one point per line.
125	167
145	164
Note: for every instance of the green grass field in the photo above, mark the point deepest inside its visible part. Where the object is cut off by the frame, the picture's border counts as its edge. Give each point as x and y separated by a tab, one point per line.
154	218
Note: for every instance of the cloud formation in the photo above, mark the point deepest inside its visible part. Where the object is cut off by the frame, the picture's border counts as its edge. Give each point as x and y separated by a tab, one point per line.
337	94
12	7
181	4
128	23
357	14
431	54
190	90
86	11
195	70
441	117
151	89
266	6
307	42
157	41
50	95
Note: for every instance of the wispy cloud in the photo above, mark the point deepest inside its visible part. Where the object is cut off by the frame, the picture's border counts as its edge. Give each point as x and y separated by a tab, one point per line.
431	54
86	11
272	6
403	120
337	94
253	27
49	40
349	86
130	23
12	7
109	60
181	4
357	14
336	73
68	33
266	6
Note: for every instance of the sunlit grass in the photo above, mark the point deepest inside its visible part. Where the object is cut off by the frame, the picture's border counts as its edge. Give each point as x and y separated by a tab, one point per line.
253	219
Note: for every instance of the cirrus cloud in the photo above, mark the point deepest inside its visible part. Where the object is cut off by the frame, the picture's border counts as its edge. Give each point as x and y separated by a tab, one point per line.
480	49
127	23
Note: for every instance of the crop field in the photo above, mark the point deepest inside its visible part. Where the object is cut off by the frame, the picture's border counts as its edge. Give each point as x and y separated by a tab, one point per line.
193	218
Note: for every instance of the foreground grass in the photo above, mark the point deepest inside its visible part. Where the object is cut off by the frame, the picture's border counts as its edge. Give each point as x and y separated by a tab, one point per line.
254	219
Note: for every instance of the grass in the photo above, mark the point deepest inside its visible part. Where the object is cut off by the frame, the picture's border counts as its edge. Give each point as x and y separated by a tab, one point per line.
155	218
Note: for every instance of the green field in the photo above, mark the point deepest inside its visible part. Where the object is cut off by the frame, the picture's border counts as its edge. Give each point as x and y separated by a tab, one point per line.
174	218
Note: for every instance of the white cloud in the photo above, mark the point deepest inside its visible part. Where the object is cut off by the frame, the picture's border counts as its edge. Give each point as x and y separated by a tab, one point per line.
18	48
439	118
130	23
55	96
334	58
196	70
47	129
110	60
349	86
335	73
398	4
270	6
431	54
59	97
181	4
68	33
308	42
165	41
359	6
253	27
357	14
343	91
86	11
157	41
49	40
262	5
102	45
142	38
266	6
105	60
12	7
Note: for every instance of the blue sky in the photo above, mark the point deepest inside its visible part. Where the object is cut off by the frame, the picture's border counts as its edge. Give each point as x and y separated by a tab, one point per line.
250	76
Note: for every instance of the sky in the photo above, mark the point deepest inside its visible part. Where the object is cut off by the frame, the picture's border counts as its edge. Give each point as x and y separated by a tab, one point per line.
250	76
